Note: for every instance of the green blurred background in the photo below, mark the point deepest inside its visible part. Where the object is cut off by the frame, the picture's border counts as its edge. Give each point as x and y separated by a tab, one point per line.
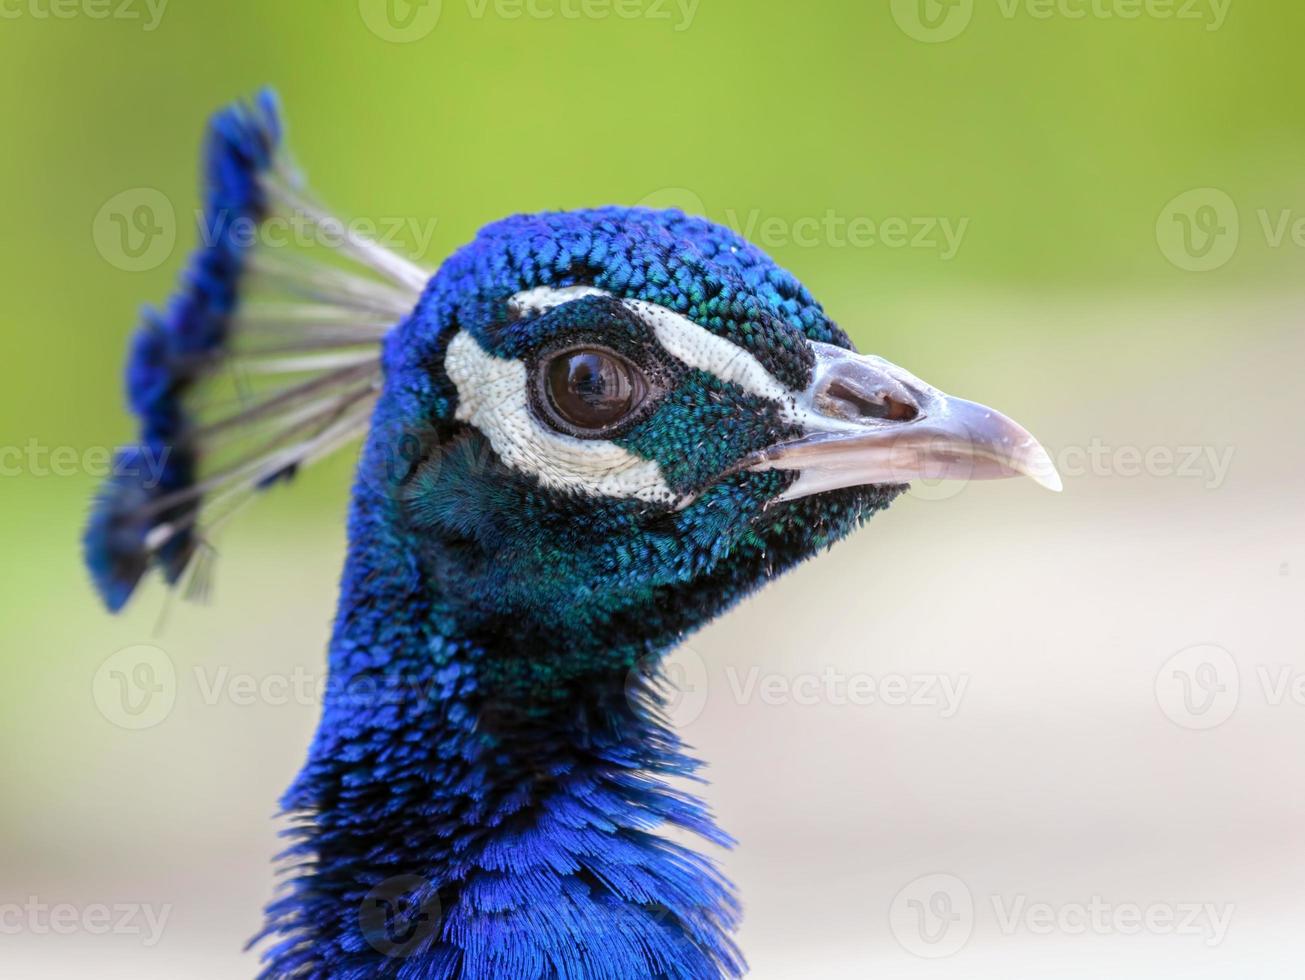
1056	143
1059	140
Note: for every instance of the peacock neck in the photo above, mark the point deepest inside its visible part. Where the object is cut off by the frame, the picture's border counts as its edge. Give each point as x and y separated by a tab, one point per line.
532	827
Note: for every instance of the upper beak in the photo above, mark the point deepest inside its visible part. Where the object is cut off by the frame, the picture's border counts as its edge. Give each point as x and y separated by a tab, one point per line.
868	421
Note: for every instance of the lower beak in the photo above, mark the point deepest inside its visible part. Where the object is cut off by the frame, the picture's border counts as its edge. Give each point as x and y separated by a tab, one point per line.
868	421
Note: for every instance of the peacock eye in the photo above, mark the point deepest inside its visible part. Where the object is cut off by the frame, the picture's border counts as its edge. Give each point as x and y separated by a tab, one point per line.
592	390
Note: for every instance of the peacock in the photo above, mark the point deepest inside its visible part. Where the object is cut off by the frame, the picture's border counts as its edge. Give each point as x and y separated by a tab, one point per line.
586	434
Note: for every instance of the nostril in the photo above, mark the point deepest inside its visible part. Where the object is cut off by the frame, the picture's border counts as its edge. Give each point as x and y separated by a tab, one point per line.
853	402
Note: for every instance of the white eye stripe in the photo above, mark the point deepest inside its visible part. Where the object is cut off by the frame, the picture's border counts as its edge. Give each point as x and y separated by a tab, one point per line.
532	302
697	347
686	341
493	396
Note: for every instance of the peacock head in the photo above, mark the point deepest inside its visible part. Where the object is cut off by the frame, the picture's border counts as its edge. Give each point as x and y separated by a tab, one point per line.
601	428
588	431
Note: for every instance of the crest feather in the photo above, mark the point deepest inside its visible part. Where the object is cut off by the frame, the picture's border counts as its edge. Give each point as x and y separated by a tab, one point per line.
262	362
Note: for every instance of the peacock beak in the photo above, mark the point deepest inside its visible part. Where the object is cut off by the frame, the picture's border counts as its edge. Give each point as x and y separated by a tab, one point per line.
867	421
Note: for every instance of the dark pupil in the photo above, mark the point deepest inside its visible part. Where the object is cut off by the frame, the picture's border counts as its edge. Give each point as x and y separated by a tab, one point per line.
590	389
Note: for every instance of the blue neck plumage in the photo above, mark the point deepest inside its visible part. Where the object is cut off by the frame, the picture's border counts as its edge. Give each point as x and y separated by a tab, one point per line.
532	832
486	791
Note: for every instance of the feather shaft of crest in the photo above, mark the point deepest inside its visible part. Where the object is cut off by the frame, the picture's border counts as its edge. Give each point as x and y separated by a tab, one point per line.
289	399
306	364
268	460
325	341
243	481
288	316
359	247
328	285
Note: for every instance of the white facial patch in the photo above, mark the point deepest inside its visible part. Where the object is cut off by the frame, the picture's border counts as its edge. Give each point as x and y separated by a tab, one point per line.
697	347
493	396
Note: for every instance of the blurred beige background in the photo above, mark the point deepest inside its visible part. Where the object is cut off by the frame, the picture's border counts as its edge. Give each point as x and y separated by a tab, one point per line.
1000	732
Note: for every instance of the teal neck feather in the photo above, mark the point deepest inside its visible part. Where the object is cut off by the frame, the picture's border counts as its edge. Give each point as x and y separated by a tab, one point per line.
524	835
